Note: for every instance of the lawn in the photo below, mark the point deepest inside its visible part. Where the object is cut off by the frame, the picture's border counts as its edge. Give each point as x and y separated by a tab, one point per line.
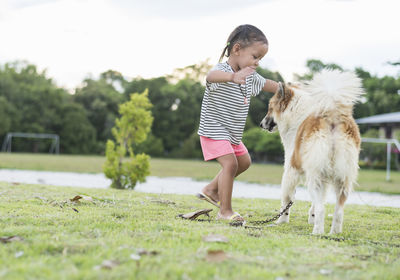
116	234
369	180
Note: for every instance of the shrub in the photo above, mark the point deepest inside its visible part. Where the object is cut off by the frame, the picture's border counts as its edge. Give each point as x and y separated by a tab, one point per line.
132	127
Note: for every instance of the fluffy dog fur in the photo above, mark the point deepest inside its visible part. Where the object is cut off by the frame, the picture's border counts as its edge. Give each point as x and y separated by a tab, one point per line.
321	141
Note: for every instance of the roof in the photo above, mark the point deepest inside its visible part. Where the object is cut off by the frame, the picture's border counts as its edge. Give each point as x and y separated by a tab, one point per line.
390	118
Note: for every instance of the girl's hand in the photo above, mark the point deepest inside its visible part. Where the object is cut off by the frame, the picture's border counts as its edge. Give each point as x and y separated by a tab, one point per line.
239	77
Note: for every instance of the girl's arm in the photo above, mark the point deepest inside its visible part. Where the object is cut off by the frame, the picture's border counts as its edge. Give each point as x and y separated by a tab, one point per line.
239	77
271	86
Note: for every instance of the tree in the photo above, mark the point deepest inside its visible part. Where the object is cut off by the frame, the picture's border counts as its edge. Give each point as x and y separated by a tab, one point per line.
77	134
315	66
132	127
101	99
176	110
7	111
263	146
32	102
259	104
195	72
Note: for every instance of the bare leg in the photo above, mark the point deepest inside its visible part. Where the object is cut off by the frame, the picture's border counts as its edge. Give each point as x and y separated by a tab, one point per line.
229	166
244	162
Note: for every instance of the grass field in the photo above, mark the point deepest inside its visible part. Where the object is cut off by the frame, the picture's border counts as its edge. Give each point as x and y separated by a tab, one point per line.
369	180
119	234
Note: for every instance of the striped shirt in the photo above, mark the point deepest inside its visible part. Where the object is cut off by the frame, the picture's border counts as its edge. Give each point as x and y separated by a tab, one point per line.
224	108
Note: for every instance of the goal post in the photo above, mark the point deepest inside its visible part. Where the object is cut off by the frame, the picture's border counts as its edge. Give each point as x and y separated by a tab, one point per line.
55	144
388	143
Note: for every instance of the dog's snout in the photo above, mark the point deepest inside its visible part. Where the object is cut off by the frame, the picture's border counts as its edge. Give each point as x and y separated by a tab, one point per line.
268	124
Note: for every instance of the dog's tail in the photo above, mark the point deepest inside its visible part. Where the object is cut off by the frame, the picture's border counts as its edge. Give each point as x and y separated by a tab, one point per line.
333	87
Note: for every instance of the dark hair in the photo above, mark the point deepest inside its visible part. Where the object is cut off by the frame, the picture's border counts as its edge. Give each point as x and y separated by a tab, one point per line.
245	35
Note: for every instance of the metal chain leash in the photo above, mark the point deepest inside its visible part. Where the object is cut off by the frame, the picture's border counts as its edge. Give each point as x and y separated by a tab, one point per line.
263	222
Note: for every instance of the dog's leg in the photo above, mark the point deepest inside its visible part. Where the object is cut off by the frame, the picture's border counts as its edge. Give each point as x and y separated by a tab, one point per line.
311	214
317	191
341	197
289	182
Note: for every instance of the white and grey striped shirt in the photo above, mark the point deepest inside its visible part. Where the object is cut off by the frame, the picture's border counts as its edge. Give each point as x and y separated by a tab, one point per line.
224	110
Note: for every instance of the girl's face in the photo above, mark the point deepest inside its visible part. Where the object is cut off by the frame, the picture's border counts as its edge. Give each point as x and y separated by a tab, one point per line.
247	57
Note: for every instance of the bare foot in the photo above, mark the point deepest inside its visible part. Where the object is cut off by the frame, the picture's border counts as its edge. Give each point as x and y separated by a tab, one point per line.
212	194
232	216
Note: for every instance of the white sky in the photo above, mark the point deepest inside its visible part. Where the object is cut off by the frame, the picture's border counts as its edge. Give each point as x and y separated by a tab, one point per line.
74	39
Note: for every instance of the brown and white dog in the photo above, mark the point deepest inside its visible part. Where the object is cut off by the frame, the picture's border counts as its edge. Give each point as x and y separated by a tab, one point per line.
321	141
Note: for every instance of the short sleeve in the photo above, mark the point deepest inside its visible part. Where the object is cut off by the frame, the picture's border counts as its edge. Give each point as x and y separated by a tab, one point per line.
221	67
258	83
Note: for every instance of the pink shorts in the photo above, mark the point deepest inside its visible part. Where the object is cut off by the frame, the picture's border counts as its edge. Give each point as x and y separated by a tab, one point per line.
216	148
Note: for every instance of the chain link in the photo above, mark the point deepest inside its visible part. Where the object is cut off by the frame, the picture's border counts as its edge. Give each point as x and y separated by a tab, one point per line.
263	222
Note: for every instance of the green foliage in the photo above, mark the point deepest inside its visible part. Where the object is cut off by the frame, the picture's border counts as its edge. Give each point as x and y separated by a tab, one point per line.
263	146
125	173
176	110
31	102
259	104
152	146
315	66
7	111
132	127
373	155
191	147
101	99
77	133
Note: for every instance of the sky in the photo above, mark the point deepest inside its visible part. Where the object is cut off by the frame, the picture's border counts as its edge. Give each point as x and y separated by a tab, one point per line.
76	39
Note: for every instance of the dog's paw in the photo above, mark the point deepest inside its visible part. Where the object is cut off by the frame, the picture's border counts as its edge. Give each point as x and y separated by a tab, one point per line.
335	230
318	230
283	219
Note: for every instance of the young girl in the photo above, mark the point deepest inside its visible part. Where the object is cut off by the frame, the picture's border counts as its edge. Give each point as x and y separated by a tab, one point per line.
224	110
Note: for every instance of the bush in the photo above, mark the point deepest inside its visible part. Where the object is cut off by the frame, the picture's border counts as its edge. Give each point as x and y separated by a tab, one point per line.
263	146
132	127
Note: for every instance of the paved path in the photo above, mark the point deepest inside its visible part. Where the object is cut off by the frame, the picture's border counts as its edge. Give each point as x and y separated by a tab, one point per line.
180	185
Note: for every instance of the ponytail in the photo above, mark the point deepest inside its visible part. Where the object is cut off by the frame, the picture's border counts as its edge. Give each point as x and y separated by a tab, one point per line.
245	35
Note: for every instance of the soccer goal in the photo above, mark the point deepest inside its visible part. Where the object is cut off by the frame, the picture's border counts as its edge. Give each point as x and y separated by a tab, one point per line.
388	143
55	144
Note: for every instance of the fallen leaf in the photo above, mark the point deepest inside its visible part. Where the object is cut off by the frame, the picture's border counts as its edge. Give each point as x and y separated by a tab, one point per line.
215	238
19	254
195	214
216	256
8	239
142	252
76	198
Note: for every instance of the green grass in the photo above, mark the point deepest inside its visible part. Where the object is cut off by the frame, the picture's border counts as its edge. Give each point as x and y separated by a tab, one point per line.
369	180
61	243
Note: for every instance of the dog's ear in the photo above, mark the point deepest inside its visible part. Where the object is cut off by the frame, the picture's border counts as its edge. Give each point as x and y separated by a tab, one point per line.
285	94
281	90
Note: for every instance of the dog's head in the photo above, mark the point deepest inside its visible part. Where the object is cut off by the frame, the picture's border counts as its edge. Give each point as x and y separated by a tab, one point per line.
277	105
